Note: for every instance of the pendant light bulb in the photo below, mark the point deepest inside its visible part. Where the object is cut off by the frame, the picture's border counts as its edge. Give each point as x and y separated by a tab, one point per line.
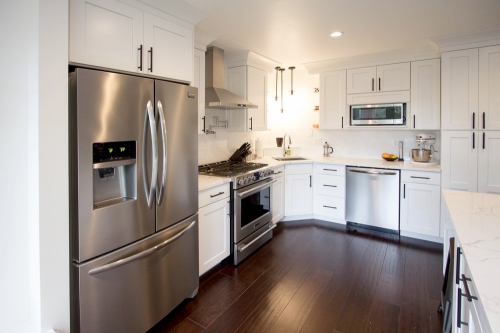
291	74
277	70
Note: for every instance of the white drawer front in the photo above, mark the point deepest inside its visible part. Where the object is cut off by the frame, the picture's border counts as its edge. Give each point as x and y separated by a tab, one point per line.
421	177
330	169
213	194
329	206
329	185
279	171
297	169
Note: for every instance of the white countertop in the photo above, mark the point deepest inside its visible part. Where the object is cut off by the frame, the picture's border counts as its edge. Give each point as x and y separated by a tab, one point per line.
205	182
476	217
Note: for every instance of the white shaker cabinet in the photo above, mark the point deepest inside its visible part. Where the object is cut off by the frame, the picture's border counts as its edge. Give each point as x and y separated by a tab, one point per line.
459	90
426	94
168	48
278	194
329	191
489	88
111	34
251	84
214	226
420	202
106	33
199	82
459	151
298	189
488	159
332	104
393	77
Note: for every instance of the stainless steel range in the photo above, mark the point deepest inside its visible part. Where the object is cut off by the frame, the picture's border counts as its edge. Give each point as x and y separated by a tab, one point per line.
251	211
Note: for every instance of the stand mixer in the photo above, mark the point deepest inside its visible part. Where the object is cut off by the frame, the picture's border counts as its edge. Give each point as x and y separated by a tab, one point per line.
423	154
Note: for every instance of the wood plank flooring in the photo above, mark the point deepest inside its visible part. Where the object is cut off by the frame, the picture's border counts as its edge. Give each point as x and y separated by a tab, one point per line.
315	276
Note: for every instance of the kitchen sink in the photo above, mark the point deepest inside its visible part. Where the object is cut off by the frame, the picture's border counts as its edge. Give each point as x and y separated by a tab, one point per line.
289	158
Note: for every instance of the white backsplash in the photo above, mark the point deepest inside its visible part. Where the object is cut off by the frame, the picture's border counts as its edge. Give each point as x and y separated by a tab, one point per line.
297	120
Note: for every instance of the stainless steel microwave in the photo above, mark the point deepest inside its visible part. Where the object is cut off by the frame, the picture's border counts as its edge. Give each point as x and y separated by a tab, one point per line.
379	114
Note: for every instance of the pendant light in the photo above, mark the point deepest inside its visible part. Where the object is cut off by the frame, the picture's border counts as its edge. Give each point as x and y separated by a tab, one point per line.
281	70
277	69
291	74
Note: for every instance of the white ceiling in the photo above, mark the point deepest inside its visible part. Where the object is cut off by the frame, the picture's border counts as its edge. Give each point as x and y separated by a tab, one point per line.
294	32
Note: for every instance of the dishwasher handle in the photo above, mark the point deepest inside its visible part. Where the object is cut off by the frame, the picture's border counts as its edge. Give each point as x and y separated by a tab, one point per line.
373	172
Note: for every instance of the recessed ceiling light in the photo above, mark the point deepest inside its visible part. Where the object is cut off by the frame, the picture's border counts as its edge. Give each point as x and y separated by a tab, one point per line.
336	34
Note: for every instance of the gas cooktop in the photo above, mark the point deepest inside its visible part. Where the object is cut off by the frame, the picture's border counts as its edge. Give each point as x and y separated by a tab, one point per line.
228	168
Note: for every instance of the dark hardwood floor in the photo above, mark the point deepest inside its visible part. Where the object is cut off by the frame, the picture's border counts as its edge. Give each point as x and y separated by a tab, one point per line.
315	276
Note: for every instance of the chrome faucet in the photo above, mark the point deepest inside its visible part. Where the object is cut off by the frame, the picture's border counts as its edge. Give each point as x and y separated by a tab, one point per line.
284	142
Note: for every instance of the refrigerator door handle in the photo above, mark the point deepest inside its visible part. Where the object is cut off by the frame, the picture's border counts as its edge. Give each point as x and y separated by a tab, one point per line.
163	129
140	255
150	191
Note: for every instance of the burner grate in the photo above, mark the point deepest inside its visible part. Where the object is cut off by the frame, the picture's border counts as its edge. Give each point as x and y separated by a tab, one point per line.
228	168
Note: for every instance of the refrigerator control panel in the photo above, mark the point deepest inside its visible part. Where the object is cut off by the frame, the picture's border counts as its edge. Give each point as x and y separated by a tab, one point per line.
112	151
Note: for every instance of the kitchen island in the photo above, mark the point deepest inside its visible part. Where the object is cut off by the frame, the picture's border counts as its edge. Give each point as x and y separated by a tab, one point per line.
475	218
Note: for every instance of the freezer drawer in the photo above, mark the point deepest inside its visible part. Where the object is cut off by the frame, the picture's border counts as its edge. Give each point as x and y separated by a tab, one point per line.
133	296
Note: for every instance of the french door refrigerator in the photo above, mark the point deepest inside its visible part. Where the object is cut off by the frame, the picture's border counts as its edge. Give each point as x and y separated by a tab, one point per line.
133	201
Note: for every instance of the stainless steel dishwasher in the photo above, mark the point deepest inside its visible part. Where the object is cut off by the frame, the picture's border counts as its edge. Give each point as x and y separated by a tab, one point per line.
373	198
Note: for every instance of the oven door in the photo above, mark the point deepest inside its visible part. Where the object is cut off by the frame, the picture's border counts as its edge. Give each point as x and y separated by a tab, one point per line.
252	208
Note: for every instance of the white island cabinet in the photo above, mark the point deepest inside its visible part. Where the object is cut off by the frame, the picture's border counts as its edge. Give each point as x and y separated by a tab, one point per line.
298	189
214	226
420	204
114	35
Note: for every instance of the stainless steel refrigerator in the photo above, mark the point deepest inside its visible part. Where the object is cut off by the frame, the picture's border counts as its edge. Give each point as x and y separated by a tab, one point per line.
134	199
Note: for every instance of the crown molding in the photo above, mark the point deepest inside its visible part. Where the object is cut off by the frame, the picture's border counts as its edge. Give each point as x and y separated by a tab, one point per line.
249	58
468	40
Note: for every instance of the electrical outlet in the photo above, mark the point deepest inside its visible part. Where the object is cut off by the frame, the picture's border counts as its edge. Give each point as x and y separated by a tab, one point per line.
317	142
395	143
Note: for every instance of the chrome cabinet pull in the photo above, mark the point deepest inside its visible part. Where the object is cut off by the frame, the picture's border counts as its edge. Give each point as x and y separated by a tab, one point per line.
419	177
484	140
150	191
379	84
216	195
330	170
474	140
310	181
484	120
329	207
329	185
251	123
142	254
404	191
413	121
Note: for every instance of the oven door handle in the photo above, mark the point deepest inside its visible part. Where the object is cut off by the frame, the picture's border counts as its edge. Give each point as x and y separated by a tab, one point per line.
256	189
243	248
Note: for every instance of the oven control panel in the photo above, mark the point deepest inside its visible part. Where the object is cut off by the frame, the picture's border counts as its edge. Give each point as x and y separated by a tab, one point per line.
253	177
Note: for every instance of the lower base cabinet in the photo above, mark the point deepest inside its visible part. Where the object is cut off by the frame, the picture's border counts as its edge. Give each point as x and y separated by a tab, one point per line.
298	189
214	229
278	195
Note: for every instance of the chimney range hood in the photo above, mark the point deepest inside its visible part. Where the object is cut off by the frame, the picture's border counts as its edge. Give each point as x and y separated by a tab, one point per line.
216	97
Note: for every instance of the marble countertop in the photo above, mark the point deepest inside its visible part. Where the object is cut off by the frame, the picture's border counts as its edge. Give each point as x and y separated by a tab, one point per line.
206	182
476	218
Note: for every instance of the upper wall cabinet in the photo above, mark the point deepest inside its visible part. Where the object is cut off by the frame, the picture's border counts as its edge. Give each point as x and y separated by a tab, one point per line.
489	88
459	90
332	103
425	94
110	34
392	77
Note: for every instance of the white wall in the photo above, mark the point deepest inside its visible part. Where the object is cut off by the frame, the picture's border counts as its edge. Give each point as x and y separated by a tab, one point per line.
34	251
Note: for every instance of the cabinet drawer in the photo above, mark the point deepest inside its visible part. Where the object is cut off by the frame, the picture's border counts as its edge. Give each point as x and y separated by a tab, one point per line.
422	177
329	185
213	194
279	171
330	169
297	169
329	206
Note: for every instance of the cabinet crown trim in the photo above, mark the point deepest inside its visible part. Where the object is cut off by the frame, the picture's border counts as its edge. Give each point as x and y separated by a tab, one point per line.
468	40
249	58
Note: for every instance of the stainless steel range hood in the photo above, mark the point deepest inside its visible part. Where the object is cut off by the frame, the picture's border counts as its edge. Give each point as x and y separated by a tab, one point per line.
216	97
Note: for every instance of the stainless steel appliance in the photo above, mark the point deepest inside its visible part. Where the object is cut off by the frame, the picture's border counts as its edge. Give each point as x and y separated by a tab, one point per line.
251	211
373	198
134	200
379	114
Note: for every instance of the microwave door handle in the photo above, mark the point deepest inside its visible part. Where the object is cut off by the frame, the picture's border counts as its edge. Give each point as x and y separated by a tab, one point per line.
149	118
140	255
163	129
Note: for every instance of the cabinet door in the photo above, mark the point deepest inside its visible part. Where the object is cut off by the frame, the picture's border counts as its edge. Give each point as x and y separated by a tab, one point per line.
420	208
489	88
168	49
459	89
426	94
332	103
361	80
298	194
199	82
213	234
459	152
257	93
105	33
237	84
393	77
488	175
278	200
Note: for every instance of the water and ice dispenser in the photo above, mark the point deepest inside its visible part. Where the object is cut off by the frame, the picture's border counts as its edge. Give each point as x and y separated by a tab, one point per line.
115	170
